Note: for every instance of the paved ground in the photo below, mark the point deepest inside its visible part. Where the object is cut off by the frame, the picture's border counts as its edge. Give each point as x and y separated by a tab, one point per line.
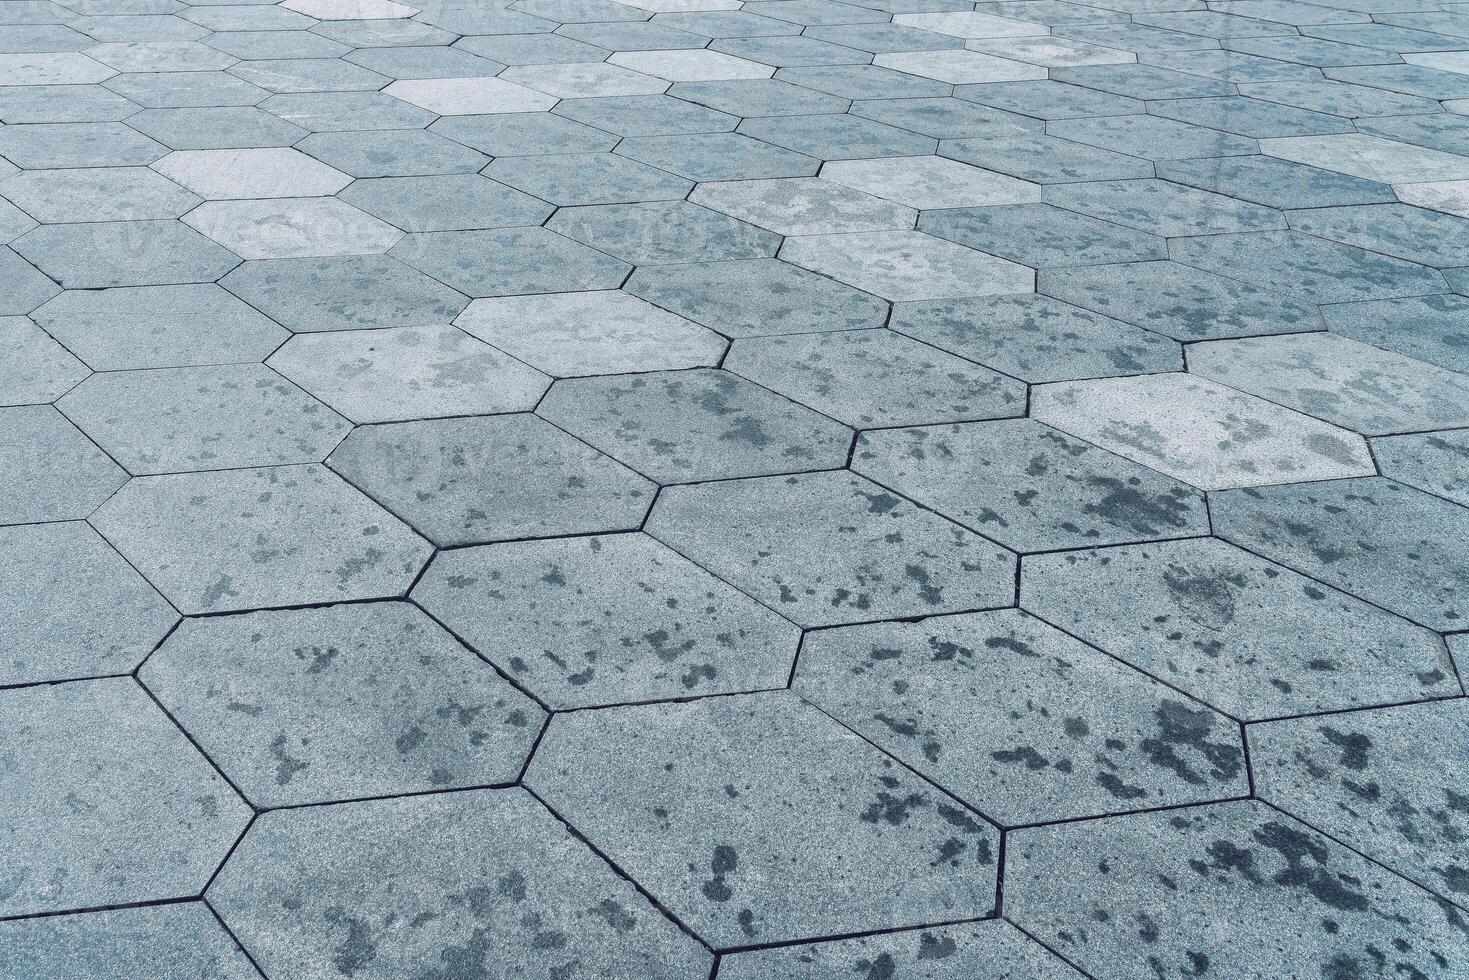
776	490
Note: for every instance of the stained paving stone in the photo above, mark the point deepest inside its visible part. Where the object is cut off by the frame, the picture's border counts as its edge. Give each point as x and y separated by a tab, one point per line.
590	621
390	152
1390	544
172	420
1180	301
170	942
497	478
95	255
967	701
646	115
1044	159
238	174
514	134
55	473
844	840
756	297
661	232
332	112
1416	234
1351	384
287	228
1037	338
803	206
346	292
107	803
408	373
1432	461
48	146
869	378
930	182
1200	431
993	948
1028	486
34	368
1388	780
1200	880
718	156
510	261
1163	207
702	424
348	701
76	609
250	539
1042	236
907	265
883	557
588	178
1250	637
492	879
93	193
591	333
1275	183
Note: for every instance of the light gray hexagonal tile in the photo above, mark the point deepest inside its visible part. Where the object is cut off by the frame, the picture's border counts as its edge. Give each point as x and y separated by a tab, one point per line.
53	472
34	369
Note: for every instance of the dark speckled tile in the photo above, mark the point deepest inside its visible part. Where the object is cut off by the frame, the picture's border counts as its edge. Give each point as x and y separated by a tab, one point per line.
1236	889
757	819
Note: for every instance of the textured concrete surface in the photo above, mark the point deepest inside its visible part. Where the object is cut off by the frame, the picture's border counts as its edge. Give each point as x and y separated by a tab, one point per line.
734	489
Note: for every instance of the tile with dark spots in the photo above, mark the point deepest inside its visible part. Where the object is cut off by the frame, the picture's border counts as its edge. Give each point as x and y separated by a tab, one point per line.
343	292
74	608
181	941
1389	780
342	702
1250	637
881	557
1390	544
1430	328
52	471
1343	381
758	819
701	424
1019	720
491	478
994	949
1037	338
1042	236
1029	486
104	802
871	378
1233	889
251	539
484	883
1437	462
590	621
659	232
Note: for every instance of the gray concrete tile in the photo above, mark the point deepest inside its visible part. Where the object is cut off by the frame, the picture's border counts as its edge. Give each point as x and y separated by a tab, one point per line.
493	880
344	292
95	255
708	806
169	942
883	558
1163	207
1250	891
587	178
660	232
55	472
251	539
106	802
1042	236
496	478
452	202
509	261
803	206
1246	635
1432	461
348	701
907	265
590	621
34	368
94	194
701	424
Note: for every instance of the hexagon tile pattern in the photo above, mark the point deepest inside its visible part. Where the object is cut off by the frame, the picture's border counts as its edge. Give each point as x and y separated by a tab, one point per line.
734	489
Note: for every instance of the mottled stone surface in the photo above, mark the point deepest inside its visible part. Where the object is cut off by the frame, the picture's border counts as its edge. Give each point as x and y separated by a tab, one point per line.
168	942
607	620
881	557
757	819
967	701
316	705
466	881
1180	888
54	472
106	802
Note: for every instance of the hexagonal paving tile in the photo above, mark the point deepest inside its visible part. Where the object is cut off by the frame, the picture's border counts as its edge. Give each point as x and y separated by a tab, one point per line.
1030	487
510	261
106	802
1244	634
882	558
907	265
1433	461
292	228
408	373
317	705
597	332
758	819
250	539
605	620
470	481
449	202
1200	431
92	194
238	174
181	941
94	255
1238	886
490	881
74	608
35	369
345	292
1394	546
660	232
1389	780
53	472
1020	720
175	420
